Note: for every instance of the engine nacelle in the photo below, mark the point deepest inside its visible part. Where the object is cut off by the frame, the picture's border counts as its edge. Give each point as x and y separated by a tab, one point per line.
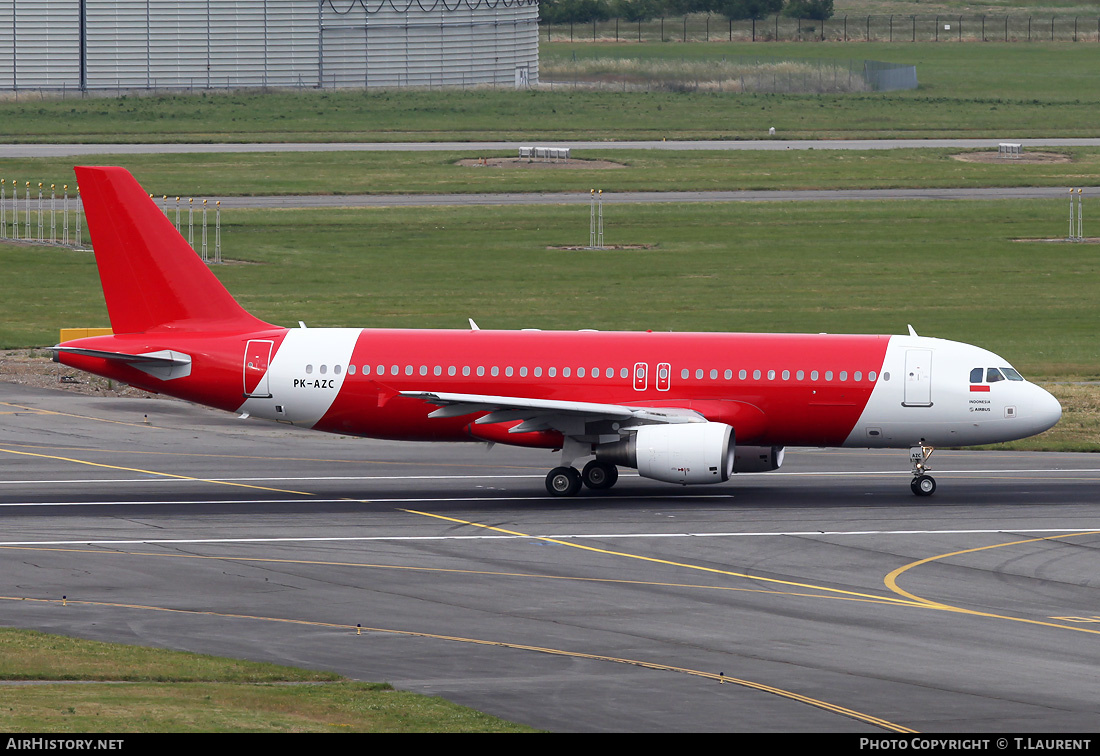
680	453
753	459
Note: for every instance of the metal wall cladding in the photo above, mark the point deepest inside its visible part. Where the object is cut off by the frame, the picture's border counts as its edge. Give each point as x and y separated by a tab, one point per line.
430	43
213	44
40	44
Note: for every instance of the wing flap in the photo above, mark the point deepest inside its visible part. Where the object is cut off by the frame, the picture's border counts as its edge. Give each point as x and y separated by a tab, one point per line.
549	414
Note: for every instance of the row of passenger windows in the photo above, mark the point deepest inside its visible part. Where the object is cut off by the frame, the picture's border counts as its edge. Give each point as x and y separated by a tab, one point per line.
595	372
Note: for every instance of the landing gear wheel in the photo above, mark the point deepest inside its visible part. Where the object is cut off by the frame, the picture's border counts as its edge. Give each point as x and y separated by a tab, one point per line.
563	481
598	475
923	485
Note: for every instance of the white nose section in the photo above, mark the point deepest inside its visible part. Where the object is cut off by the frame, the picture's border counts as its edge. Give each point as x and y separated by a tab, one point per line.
1044	411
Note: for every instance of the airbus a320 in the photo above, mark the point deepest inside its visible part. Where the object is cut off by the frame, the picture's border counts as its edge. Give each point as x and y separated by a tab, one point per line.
686	408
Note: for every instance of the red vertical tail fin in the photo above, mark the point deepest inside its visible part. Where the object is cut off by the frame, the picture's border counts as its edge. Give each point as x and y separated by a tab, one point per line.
152	279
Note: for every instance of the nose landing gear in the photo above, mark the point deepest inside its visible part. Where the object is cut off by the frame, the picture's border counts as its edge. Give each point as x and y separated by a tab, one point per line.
922	484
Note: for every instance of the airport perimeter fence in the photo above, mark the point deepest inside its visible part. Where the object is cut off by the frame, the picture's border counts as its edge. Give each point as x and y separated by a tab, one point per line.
705	27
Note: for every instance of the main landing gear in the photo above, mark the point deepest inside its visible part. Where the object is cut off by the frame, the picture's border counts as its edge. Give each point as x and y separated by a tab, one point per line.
566	481
922	484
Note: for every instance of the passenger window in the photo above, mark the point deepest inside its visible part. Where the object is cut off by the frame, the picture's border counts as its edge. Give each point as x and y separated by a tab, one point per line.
309	369
976	375
993	375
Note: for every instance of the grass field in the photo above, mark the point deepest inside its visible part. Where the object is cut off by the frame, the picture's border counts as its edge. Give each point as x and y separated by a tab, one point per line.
225	175
952	269
154	690
1051	91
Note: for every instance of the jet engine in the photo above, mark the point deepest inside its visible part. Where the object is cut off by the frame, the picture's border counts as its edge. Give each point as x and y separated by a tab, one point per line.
679	453
752	459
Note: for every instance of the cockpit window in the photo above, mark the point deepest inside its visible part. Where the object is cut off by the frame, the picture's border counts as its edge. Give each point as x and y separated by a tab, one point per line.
992	375
1011	374
976	375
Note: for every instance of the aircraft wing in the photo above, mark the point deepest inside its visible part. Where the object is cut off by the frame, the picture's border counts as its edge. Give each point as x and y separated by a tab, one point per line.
571	418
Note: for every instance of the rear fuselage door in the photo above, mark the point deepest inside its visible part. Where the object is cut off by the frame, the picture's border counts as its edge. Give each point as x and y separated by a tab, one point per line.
257	356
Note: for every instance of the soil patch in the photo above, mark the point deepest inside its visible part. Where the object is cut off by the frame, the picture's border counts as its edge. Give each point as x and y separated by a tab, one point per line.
604	248
538	164
1064	240
1022	158
33	367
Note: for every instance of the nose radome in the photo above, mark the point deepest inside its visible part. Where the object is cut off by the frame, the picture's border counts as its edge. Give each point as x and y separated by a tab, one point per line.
1046	410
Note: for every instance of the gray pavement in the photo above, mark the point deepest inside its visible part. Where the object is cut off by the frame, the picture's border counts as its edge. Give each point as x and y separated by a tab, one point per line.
829	596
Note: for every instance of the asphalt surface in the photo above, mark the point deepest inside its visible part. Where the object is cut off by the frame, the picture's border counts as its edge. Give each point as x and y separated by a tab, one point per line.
825	595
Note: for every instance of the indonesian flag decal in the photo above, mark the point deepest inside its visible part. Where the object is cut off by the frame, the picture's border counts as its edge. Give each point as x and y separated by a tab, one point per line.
979	388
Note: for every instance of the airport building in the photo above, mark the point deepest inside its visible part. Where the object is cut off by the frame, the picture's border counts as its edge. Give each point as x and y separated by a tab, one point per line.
97	45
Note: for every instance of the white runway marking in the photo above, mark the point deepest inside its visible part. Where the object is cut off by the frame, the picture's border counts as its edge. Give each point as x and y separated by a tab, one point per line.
556	536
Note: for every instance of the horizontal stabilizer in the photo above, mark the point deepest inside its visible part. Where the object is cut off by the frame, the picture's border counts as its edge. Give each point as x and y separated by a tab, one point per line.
164	364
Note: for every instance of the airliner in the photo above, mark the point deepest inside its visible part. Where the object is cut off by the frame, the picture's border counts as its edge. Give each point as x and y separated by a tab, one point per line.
684	408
